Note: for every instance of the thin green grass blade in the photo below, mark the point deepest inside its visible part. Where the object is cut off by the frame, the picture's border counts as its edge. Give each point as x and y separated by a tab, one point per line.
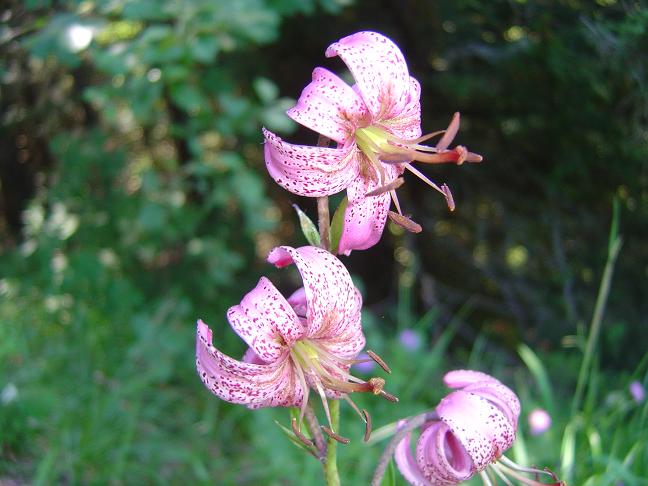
568	451
539	373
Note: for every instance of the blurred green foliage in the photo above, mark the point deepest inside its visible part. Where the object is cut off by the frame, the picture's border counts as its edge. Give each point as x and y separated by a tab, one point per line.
134	200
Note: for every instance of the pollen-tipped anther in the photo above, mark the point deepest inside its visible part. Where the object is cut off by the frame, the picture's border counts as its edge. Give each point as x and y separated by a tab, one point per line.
389	396
334	436
378	360
298	433
448	196
405	222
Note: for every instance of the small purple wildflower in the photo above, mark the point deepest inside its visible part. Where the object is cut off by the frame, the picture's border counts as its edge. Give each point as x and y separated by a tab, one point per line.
637	391
410	340
364	367
539	421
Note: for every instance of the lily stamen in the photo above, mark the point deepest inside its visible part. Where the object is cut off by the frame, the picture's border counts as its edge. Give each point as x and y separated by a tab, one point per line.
388	396
394	199
378	360
444	189
367	418
354	407
404	222
298	433
334	436
390	186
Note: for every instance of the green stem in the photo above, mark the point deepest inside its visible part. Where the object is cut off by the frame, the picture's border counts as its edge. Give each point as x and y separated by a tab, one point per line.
324	222
323	217
330	468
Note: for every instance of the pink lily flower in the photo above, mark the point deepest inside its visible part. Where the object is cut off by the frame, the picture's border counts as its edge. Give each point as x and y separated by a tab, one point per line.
306	341
377	127
476	424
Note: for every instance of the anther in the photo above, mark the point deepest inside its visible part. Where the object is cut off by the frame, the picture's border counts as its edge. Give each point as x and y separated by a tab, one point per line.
334	436
448	195
388	396
379	360
367	418
405	222
303	439
390	186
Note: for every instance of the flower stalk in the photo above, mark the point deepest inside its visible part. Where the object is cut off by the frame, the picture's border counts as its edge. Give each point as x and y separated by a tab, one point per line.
330	467
330	447
323	217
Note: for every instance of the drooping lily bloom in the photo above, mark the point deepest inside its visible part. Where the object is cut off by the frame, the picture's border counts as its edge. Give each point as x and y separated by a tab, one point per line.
476	424
306	341
377	127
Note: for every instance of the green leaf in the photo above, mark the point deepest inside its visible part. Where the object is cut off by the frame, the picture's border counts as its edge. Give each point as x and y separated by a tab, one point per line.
308	227
390	475
533	362
265	89
188	97
204	49
291	436
337	224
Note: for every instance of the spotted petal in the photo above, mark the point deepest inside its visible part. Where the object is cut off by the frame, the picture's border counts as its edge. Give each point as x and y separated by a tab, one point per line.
365	217
487	387
406	462
266	321
480	426
309	171
255	385
333	302
442	459
330	107
379	69
407	123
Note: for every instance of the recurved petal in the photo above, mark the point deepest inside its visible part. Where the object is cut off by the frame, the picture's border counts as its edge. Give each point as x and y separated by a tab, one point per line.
407	464
343	337
309	171
407	123
329	106
333	304
461	378
365	217
298	302
379	69
487	387
266	321
251	357
255	385
481	427
440	456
